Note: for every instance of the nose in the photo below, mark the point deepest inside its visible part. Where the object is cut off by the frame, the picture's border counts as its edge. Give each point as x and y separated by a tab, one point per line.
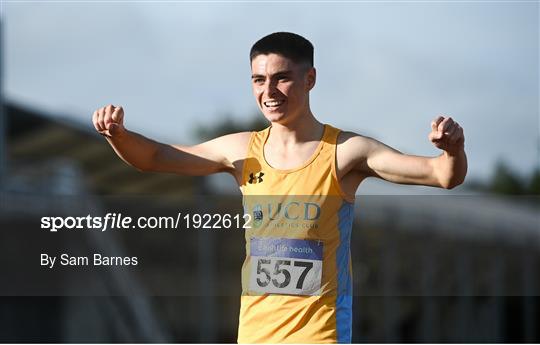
269	88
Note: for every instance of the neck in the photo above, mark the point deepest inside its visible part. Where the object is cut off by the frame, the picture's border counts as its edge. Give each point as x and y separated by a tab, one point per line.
304	128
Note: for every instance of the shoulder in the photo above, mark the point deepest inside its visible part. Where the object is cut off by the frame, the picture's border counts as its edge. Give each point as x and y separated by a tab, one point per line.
352	150
233	145
227	147
240	140
235	148
350	142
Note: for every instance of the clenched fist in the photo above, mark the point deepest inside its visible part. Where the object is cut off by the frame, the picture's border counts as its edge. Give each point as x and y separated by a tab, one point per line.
446	134
109	121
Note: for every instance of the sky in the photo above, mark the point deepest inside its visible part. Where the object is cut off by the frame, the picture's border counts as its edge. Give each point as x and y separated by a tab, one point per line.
384	69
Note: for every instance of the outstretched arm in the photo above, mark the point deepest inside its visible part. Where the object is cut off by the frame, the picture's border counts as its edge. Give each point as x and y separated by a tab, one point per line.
217	155
373	158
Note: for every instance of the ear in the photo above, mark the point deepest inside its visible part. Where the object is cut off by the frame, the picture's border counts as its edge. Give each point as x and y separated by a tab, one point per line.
311	77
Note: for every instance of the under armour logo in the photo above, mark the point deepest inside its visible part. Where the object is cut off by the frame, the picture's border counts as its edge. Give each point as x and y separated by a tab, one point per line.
255	178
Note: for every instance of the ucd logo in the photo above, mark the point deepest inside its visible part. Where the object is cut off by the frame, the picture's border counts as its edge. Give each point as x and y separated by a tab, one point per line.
255	178
293	210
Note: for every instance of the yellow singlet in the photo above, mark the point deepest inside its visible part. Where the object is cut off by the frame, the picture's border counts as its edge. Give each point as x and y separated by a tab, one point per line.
296	278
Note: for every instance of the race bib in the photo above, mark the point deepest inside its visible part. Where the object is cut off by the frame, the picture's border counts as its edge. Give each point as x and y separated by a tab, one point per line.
285	266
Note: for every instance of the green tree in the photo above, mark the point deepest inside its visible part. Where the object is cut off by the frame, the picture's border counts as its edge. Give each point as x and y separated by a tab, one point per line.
534	184
506	181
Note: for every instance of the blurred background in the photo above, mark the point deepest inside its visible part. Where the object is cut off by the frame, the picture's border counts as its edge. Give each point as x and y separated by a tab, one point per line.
428	265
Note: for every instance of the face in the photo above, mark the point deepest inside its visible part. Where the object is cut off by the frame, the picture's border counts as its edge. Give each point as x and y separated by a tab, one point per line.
281	87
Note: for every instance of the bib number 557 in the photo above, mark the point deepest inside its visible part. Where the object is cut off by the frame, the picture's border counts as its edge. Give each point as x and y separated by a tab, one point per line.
283	274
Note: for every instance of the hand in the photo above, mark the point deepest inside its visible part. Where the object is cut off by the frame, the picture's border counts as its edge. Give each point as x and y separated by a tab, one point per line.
446	134
109	121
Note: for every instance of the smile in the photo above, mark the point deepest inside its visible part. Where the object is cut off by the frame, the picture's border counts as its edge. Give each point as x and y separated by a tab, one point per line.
272	104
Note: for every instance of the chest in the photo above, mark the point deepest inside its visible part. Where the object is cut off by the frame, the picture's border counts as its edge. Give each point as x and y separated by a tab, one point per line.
284	158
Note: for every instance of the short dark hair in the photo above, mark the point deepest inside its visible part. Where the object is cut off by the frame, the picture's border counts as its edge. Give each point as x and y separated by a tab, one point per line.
287	44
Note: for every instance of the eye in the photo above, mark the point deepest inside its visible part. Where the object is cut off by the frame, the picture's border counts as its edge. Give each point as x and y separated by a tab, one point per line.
258	80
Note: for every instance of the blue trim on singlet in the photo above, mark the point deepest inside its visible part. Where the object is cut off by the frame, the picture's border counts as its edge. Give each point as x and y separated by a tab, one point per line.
344	295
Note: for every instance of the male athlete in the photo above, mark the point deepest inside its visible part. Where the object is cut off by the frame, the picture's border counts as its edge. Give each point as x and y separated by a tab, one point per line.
298	178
